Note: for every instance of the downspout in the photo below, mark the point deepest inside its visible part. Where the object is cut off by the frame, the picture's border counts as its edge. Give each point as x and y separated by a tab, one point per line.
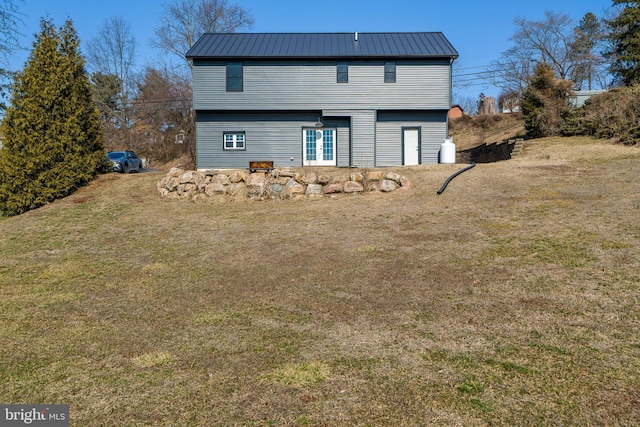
450	91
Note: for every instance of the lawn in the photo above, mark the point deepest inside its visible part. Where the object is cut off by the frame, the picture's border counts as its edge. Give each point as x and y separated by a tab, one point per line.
513	298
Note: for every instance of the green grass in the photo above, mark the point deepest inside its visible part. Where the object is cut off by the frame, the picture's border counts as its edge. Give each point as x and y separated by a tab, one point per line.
510	299
305	374
563	251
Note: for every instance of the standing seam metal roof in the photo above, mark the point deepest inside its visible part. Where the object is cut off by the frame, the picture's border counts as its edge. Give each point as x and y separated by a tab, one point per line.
321	45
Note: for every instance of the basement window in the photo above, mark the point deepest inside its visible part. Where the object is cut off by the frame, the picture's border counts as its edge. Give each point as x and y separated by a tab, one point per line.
234	77
234	141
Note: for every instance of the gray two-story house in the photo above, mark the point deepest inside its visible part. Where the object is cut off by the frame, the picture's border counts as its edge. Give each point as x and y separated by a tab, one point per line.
334	99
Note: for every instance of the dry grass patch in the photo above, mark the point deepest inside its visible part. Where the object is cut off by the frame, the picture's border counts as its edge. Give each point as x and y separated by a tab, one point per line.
510	299
470	131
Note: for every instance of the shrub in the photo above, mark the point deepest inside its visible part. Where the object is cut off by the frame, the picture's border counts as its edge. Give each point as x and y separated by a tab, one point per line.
545	103
614	114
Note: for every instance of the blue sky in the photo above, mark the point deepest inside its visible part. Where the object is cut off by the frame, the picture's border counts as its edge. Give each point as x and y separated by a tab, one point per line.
478	30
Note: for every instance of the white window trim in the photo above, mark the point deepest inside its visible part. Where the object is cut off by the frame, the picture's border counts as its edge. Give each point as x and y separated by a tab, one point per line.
235	141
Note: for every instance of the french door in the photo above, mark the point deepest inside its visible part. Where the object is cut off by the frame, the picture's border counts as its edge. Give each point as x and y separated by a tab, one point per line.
319	147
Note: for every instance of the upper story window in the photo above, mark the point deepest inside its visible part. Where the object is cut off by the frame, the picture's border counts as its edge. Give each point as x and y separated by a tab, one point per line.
389	72
342	69
234	77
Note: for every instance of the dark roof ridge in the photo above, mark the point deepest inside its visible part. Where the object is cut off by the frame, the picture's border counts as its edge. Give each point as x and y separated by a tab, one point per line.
328	32
412	44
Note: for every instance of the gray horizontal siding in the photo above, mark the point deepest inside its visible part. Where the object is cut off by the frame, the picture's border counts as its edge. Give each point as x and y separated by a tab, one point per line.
299	85
389	144
269	136
344	143
363	126
362	140
389	126
344	137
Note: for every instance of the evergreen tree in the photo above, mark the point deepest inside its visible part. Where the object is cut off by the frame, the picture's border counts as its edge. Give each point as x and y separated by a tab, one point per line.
53	141
545	103
587	39
624	36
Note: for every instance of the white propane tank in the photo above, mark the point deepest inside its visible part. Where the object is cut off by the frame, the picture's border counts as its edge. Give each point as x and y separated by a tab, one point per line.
448	151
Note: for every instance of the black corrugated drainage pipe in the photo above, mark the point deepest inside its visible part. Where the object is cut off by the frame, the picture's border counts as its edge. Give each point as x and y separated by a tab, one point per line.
444	186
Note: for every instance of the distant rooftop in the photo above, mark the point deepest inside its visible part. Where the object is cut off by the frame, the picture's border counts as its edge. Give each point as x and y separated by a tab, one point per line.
321	45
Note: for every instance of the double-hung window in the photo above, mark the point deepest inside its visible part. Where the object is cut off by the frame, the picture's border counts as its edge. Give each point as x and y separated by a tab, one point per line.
234	77
342	70
389	72
234	141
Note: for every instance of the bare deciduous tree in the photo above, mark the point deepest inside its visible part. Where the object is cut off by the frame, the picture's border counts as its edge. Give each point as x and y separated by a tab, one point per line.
549	42
511	71
509	102
162	113
467	103
184	21
10	21
106	95
112	52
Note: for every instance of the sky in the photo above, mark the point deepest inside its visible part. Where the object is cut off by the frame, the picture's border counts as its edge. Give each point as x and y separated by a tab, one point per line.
478	30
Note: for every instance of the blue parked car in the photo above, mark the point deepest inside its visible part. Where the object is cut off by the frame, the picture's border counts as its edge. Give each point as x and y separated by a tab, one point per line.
125	161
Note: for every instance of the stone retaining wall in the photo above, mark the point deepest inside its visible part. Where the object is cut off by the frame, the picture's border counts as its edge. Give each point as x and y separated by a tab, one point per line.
227	185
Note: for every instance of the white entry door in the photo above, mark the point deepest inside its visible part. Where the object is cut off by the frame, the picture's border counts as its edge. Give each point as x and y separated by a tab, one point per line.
319	147
411	146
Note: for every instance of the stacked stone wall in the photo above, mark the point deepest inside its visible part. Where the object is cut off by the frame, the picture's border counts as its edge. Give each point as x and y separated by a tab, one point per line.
229	185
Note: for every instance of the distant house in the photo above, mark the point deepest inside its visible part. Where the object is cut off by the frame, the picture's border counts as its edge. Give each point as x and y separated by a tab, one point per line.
509	103
455	111
328	99
510	109
579	97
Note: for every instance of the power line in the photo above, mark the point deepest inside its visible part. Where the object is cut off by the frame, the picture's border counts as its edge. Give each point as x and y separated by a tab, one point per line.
471	68
484	77
476	73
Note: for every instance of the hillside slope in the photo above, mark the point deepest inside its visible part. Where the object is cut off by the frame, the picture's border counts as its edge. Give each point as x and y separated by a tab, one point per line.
509	299
470	131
